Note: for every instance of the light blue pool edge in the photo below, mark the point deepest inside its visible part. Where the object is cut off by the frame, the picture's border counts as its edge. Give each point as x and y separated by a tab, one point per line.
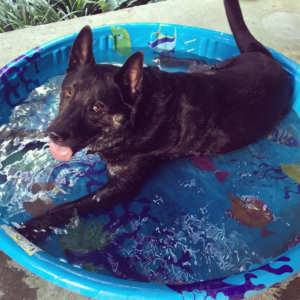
99	286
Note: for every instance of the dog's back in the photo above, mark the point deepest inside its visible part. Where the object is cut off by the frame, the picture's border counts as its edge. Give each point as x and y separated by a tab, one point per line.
136	118
237	101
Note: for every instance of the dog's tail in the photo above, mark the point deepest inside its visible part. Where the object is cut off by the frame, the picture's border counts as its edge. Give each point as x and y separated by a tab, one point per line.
244	39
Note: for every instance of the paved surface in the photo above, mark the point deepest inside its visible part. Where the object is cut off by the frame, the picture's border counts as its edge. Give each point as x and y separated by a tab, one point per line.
275	23
16	283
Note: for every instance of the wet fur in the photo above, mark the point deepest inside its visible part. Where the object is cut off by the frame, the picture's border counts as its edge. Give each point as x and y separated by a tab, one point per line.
149	115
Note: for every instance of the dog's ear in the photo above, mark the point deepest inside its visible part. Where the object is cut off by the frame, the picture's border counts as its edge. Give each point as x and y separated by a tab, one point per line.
82	49
130	77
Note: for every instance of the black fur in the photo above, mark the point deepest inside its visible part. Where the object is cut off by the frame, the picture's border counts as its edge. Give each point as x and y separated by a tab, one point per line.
148	115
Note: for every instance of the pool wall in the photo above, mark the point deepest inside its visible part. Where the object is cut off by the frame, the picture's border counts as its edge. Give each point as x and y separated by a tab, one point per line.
21	76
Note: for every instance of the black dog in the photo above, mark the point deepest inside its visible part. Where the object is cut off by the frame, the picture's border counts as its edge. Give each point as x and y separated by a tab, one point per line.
137	117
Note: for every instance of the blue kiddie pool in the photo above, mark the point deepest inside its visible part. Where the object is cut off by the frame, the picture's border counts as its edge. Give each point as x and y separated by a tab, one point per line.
222	227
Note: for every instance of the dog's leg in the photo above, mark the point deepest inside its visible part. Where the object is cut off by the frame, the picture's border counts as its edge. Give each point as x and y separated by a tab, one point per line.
124	182
37	227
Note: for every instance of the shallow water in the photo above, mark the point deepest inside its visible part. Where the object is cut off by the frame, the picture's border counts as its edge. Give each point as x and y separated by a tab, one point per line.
195	219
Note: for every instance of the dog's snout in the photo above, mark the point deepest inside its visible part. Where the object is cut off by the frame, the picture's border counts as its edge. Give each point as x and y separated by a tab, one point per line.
57	137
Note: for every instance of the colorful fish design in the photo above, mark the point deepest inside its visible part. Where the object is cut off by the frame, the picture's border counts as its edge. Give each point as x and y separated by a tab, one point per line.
39	206
205	164
45	186
292	171
163	43
42	201
121	38
251	212
282	137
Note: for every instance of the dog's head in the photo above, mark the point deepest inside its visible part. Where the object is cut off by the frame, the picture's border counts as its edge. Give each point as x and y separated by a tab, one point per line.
98	103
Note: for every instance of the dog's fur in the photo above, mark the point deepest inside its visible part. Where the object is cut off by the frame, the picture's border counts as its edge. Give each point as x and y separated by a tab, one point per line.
147	115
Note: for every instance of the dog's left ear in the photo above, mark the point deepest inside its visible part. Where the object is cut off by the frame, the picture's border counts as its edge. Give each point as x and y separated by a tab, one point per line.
82	49
130	78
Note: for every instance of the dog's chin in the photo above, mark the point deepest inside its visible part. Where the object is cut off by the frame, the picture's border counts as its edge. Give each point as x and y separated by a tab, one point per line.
103	144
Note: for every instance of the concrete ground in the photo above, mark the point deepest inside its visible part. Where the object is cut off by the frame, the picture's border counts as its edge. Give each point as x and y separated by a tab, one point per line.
275	23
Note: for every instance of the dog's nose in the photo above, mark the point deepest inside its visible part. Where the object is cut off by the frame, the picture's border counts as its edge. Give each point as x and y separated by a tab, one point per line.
55	137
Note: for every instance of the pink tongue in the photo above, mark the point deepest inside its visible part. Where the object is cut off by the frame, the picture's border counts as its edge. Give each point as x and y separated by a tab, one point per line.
60	153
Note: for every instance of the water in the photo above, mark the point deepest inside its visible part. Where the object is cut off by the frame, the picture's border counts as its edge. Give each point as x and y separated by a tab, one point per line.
195	219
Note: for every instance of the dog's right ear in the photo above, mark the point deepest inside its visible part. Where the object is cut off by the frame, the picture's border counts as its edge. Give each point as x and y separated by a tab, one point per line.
130	79
82	49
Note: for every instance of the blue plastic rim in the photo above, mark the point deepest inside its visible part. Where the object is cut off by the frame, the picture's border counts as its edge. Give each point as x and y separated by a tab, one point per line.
21	76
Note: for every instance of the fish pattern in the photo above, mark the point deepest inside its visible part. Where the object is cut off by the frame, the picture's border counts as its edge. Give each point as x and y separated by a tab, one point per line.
121	40
206	164
38	206
282	137
163	43
292	171
252	212
41	202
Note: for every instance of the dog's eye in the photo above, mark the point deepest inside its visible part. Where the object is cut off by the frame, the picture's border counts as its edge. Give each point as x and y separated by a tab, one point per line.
97	107
68	93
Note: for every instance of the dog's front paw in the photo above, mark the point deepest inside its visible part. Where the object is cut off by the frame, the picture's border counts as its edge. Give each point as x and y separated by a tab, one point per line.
32	230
